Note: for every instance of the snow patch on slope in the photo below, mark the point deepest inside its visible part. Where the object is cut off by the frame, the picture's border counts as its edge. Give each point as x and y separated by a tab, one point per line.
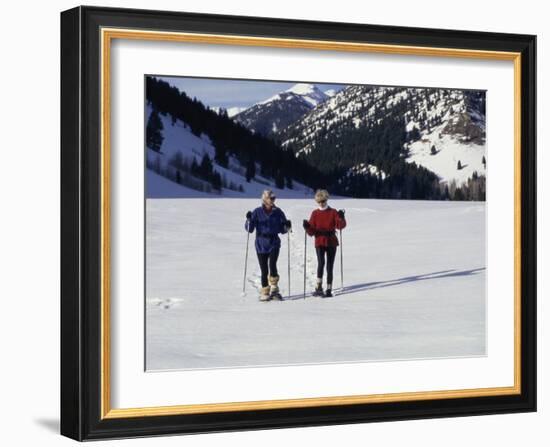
231	111
365	168
449	151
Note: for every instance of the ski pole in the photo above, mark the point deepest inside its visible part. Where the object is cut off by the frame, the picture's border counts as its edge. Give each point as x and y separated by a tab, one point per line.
305	251
341	262
288	258
246	258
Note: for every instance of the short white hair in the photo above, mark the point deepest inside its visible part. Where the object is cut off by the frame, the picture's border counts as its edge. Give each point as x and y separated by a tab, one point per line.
267	194
321	195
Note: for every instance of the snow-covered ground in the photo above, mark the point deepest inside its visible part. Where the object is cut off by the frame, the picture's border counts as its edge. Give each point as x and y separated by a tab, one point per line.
414	286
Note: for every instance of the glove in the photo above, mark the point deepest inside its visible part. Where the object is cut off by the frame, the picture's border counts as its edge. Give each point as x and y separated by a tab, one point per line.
288	224
249	215
305	224
342	214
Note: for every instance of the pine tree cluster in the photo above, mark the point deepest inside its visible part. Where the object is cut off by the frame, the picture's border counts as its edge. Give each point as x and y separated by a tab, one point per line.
229	138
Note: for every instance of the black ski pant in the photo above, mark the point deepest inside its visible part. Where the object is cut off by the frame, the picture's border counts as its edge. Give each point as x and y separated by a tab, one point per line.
330	253
268	263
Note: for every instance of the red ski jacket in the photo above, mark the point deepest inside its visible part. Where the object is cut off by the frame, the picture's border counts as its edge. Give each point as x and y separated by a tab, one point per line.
323	225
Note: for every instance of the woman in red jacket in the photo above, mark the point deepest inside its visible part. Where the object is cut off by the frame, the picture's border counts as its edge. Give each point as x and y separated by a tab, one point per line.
322	224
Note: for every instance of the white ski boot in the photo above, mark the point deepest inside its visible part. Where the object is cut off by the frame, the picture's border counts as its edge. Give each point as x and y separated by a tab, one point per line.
274	288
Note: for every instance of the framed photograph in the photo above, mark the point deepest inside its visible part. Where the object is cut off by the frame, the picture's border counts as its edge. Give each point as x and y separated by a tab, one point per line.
278	223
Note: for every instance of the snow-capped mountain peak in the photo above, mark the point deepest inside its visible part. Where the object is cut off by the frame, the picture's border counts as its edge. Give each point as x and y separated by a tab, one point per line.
282	109
302	89
308	92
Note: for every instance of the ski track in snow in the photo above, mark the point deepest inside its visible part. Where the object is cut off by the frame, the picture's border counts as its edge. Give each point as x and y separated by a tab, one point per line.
414	285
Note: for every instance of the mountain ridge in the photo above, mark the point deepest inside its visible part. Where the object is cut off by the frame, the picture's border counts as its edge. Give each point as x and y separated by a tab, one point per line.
269	116
449	120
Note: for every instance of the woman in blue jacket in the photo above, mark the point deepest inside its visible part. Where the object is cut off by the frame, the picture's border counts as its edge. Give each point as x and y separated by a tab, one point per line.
268	221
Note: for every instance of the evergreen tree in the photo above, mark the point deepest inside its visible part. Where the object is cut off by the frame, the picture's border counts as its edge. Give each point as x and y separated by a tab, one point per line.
206	167
289	183
433	150
459	195
250	169
157	166
280	180
216	180
221	155
459	165
153	133
484	161
194	167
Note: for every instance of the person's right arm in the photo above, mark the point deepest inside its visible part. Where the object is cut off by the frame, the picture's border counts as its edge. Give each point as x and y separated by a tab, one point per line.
309	225
250	223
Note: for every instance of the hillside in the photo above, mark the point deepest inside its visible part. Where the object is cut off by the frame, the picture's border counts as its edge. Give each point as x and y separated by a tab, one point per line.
196	148
414	130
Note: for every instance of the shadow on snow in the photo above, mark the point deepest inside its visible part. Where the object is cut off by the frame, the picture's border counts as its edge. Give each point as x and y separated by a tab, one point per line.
394	282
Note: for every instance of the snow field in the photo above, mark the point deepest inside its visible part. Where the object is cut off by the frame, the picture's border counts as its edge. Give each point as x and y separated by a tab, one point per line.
414	286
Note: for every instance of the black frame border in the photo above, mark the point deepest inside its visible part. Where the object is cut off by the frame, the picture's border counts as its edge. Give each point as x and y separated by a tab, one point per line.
81	223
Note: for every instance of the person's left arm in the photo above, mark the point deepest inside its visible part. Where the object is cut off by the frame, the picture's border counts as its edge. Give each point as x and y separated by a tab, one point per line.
340	220
251	220
286	225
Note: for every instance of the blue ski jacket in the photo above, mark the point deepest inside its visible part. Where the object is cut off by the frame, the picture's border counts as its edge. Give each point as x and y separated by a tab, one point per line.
268	227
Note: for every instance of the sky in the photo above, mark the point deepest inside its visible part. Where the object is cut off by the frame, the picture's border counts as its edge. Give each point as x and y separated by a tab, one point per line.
228	93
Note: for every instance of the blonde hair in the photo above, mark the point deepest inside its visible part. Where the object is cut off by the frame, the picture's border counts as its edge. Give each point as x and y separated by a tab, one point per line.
266	194
321	195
